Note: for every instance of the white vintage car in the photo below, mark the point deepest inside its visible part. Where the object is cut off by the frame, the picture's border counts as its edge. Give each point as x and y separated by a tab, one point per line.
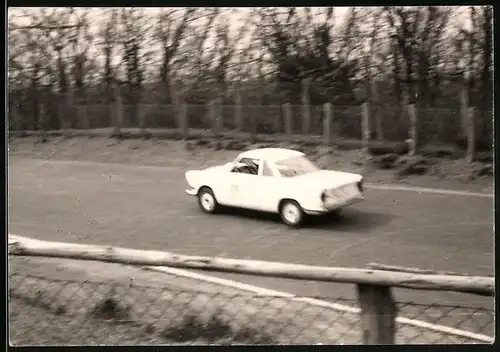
274	180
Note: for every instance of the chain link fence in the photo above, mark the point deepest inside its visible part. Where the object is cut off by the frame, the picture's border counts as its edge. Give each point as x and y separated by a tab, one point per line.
47	311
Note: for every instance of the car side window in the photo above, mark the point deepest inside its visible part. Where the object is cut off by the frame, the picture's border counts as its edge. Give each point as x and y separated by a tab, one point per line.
247	166
266	169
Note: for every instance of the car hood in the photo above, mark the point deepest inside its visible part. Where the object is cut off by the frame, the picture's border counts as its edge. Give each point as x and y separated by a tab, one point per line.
328	178
222	167
193	176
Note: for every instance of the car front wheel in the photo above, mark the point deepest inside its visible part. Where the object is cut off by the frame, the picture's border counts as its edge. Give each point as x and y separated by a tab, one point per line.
207	201
291	213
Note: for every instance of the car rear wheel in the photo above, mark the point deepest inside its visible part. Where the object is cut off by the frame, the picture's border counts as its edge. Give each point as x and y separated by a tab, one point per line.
207	201
291	213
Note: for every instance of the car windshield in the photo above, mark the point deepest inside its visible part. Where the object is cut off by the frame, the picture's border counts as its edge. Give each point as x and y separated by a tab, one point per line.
295	166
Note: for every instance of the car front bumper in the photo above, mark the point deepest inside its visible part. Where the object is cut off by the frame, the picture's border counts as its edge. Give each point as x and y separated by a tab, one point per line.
191	191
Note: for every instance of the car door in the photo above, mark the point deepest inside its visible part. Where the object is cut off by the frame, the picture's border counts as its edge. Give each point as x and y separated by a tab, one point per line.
267	189
243	182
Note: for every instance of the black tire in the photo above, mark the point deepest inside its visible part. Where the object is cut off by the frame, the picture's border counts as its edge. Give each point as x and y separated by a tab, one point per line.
207	201
337	213
291	213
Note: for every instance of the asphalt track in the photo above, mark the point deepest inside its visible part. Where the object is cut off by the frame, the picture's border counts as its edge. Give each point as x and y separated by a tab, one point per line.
146	208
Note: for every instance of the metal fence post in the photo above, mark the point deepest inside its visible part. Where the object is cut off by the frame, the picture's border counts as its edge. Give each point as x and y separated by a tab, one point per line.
327	123
378	314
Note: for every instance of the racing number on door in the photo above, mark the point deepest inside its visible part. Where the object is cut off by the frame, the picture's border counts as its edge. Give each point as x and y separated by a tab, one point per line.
234	190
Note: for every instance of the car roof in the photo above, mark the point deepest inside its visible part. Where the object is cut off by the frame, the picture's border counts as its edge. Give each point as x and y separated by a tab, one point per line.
271	154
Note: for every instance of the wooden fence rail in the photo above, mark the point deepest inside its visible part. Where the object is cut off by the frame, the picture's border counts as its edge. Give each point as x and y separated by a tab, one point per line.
378	310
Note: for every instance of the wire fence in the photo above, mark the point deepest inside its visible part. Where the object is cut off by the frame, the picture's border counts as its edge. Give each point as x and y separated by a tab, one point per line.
441	125
51	311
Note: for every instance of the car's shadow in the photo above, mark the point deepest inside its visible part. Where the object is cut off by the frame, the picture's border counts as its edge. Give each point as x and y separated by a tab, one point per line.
349	220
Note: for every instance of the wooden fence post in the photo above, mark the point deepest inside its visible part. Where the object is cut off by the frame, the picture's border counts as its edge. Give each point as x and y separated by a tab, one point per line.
471	134
70	107
220	114
253	125
238	112
16	118
413	119
141	117
327	123
211	113
216	116
287	119
83	116
65	110
42	119
365	125
184	120
277	118
117	110
306	108
378	314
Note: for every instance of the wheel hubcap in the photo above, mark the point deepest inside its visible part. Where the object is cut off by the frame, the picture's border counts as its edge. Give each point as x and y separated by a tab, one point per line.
291	213
207	201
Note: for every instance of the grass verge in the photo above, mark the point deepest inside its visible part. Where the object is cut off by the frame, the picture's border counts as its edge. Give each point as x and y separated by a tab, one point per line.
443	167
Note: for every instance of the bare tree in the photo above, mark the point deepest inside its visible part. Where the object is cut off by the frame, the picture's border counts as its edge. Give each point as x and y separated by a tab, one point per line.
81	40
486	81
169	32
370	68
109	39
198	59
45	39
133	35
417	33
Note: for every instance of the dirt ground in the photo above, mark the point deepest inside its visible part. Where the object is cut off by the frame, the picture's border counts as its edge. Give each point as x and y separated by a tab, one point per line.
443	173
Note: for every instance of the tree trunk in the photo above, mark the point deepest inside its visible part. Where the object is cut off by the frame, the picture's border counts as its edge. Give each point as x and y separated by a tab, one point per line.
327	123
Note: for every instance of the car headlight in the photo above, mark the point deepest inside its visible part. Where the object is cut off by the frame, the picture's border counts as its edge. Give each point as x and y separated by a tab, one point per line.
360	185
